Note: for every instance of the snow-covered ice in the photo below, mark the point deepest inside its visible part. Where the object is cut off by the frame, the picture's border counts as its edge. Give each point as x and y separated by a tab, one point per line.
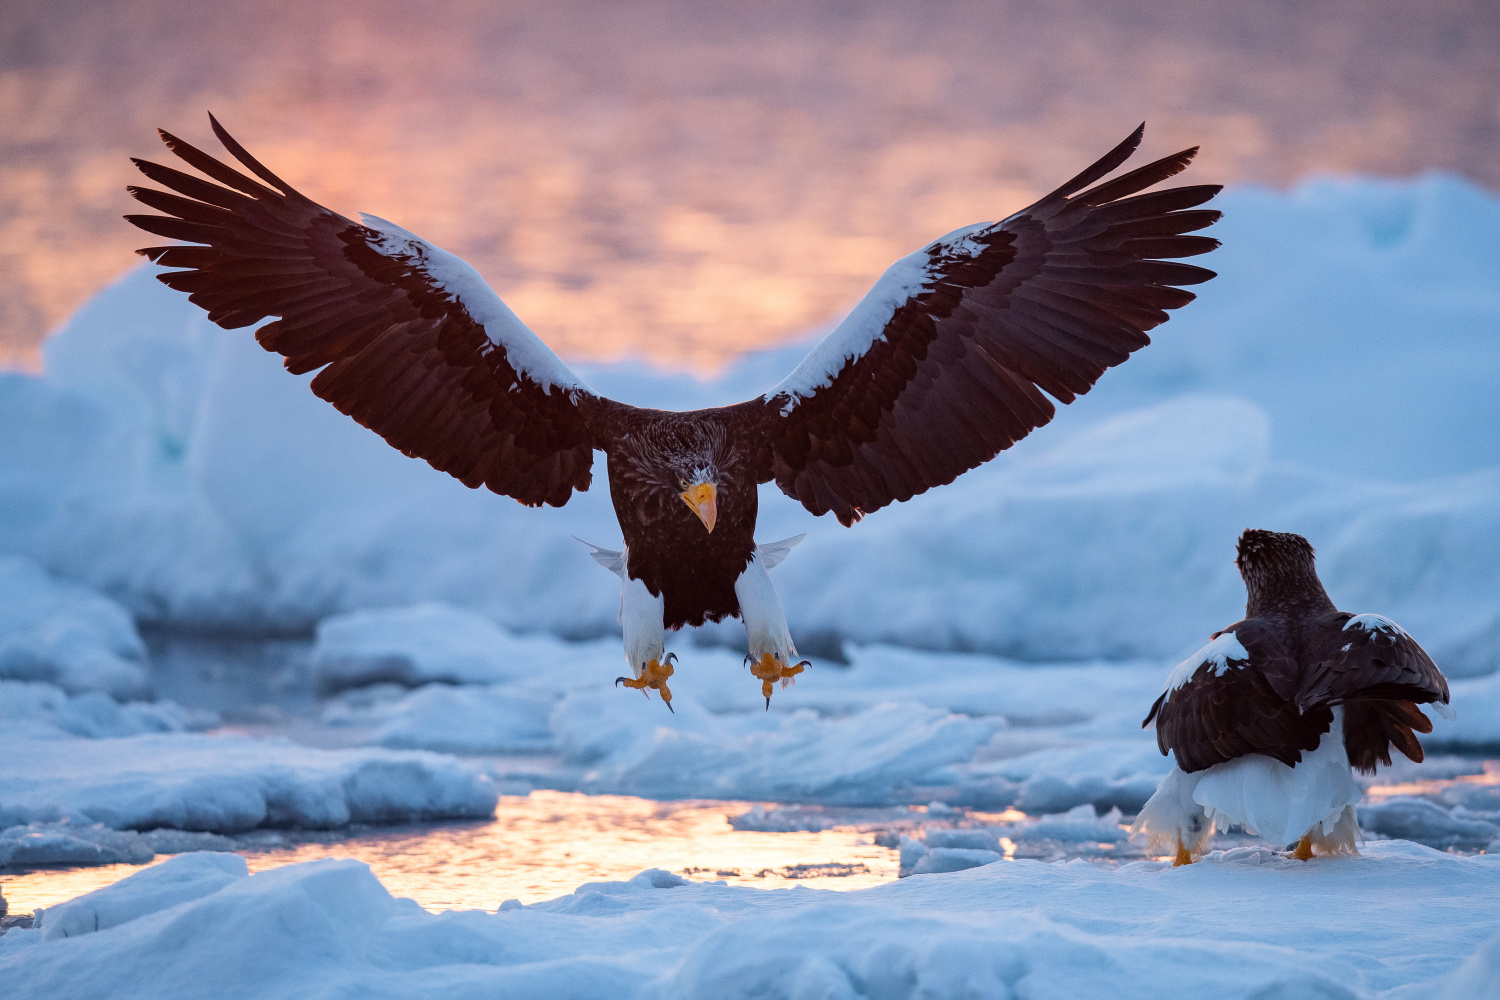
1241	924
66	634
191	781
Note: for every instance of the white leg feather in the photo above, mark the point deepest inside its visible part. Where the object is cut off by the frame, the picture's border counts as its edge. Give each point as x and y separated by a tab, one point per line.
1171	820
642	617
765	624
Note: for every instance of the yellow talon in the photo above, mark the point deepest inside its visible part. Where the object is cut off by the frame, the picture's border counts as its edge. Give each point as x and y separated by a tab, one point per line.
1184	856
653	675
1304	851
768	670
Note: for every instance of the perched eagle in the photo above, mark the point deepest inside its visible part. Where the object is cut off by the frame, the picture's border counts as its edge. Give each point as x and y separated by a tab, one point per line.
947	361
1267	719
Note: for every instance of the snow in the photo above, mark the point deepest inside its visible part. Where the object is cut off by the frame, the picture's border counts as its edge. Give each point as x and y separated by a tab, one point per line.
93	714
67	843
1236	925
191	781
59	632
186	878
420	644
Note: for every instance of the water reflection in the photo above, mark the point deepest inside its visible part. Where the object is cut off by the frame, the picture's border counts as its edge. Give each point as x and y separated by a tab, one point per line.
538	847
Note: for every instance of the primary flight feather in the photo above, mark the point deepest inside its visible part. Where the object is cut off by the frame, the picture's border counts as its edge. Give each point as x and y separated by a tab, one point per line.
948	360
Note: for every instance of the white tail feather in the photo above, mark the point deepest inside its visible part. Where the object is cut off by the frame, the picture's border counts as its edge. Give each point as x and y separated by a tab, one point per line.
772	553
608	558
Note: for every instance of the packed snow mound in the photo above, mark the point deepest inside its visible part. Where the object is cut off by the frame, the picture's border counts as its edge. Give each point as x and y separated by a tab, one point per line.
222	784
474	719
181	880
94	714
1328	383
66	634
424	643
1001	930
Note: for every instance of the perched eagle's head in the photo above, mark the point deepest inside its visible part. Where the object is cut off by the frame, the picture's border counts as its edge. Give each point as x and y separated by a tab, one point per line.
1277	567
671	462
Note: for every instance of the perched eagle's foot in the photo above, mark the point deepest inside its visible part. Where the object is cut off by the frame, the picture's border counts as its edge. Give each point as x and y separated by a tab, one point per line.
1184	856
1303	851
653	675
769	669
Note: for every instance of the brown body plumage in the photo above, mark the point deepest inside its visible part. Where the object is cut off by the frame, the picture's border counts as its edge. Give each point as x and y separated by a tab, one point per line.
1304	658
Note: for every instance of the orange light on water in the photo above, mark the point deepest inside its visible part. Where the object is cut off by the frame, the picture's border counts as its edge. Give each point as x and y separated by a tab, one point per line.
545	845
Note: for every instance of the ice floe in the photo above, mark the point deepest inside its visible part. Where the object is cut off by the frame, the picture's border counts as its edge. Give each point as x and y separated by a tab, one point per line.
65	634
191	781
1237	925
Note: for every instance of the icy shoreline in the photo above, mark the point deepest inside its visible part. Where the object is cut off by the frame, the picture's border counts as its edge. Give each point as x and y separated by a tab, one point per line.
1242	924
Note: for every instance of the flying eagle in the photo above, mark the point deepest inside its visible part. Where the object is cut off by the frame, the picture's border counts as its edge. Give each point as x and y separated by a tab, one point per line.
1267	719
947	361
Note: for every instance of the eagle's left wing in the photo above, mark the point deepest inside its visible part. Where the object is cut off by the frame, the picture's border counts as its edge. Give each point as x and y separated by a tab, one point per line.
1225	701
944	363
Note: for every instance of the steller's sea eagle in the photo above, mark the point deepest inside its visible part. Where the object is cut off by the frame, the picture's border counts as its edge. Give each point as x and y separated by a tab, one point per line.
947	361
1267	719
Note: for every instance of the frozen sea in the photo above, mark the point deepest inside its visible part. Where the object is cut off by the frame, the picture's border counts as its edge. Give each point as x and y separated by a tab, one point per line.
284	713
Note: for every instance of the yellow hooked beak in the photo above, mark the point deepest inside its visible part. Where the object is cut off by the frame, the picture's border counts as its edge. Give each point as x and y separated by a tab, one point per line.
701	499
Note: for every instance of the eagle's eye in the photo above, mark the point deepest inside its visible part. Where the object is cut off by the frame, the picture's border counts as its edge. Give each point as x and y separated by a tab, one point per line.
681	481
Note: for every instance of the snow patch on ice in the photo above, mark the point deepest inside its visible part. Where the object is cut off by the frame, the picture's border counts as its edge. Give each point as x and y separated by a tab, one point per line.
66	634
223	784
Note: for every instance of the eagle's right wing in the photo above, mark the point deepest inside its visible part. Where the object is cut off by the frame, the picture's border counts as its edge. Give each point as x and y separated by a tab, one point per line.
412	342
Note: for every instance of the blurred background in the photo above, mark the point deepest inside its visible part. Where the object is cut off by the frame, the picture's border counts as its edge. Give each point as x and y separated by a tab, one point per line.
681	181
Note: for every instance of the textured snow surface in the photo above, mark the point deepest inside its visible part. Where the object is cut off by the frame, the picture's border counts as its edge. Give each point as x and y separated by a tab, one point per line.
1329	382
55	631
191	781
1240	924
42	707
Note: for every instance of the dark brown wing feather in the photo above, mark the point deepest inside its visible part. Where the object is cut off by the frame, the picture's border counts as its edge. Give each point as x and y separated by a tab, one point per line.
1347	661
403	353
1219	715
1379	673
1044	301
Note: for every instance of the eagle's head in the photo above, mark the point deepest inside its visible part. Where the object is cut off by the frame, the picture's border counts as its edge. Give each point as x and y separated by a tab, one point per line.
1278	568
699	485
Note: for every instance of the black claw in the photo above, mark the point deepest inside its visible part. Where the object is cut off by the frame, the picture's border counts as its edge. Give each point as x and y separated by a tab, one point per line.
671	658
803	663
748	660
768	703
619	681
670	708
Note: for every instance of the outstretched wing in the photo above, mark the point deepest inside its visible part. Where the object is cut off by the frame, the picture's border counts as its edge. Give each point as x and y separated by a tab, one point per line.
413	344
1223	702
1368	657
944	363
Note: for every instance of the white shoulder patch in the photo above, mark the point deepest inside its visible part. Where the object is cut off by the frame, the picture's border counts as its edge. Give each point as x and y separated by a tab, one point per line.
866	322
1219	652
608	558
457	278
1374	623
772	553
